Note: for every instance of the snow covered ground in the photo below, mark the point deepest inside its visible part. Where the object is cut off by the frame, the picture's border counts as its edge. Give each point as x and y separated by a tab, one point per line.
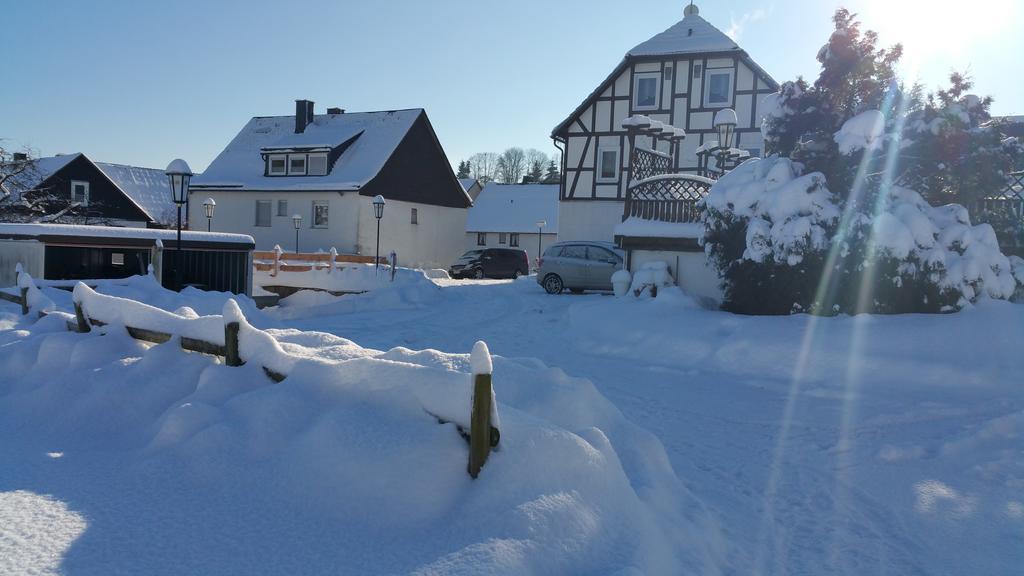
797	445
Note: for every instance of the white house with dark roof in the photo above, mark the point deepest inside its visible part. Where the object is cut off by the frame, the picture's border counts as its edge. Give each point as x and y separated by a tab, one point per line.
327	168
506	216
680	77
106	193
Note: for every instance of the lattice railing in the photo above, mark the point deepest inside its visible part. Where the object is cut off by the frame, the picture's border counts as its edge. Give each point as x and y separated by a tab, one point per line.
669	198
646	163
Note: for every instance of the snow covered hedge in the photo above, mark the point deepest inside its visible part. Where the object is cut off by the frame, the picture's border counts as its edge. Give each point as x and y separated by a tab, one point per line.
783	244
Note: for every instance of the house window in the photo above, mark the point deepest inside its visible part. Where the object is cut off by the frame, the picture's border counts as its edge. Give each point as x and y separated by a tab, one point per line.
263	213
117	259
320	213
481	238
80	192
278	165
645	91
415	217
317	164
718	87
608	165
513	239
297	164
502	238
667	74
697	70
282	208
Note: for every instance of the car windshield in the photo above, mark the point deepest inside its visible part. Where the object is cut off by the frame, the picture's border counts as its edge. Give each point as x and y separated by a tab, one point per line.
470	255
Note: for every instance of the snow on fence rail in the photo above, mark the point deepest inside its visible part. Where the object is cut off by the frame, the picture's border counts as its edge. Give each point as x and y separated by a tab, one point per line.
231	336
275	261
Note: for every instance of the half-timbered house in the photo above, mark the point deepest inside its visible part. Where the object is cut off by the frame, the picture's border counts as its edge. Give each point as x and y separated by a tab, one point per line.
681	77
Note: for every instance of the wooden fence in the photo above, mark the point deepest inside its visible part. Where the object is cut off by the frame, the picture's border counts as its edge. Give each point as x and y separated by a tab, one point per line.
482	435
275	261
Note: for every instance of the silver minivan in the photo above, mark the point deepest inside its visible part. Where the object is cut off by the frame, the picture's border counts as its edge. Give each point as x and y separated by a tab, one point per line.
579	266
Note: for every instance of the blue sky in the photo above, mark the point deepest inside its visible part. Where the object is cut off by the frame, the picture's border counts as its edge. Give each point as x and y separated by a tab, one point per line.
144	82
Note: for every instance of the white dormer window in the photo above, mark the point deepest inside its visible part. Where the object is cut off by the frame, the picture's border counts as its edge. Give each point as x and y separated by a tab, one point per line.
646	90
278	165
317	164
297	164
718	87
80	192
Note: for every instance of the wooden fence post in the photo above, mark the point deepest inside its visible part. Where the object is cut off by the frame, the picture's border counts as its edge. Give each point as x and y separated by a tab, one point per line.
24	300
83	322
480	430
231	354
277	260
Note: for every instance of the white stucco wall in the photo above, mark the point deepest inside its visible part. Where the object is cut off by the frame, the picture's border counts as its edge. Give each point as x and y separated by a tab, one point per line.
31	255
236	213
690	270
434	242
527	242
594	220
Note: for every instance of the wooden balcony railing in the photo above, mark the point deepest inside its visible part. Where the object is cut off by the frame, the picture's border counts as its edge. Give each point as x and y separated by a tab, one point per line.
645	163
667	198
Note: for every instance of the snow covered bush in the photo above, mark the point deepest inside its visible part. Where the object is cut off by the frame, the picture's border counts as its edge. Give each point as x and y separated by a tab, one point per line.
767	229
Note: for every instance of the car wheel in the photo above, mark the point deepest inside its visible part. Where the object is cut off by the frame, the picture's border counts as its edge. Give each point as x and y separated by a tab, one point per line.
478	274
553	284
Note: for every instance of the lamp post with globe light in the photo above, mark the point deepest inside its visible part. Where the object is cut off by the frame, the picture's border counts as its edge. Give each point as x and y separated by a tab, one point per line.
378	211
209	206
725	124
297	222
540	230
178	176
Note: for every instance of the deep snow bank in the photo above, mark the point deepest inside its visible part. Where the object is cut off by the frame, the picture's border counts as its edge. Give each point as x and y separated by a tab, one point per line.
181	464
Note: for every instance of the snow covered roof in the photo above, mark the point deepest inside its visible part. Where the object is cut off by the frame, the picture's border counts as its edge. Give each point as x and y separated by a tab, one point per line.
514	208
372	138
46	167
147	187
166	236
690	35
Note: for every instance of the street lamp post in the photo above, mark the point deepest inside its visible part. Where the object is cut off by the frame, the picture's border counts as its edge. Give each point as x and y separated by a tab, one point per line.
178	175
208	206
297	222
725	124
540	227
378	211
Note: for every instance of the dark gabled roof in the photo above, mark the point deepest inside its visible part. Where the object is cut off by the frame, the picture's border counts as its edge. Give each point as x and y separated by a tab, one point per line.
691	35
146	188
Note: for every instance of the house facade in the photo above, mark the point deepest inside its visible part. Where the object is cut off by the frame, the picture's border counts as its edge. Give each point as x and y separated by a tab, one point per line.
680	77
506	216
80	191
327	169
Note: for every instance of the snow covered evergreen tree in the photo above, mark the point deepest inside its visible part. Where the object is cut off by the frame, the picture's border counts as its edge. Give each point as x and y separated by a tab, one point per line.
831	224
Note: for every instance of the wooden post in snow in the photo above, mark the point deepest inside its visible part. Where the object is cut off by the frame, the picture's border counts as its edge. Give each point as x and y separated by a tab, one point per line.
231	354
76	297
277	260
334	257
480	418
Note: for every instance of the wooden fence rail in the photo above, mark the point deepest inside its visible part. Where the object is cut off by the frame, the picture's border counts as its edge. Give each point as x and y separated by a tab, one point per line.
482	436
275	261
